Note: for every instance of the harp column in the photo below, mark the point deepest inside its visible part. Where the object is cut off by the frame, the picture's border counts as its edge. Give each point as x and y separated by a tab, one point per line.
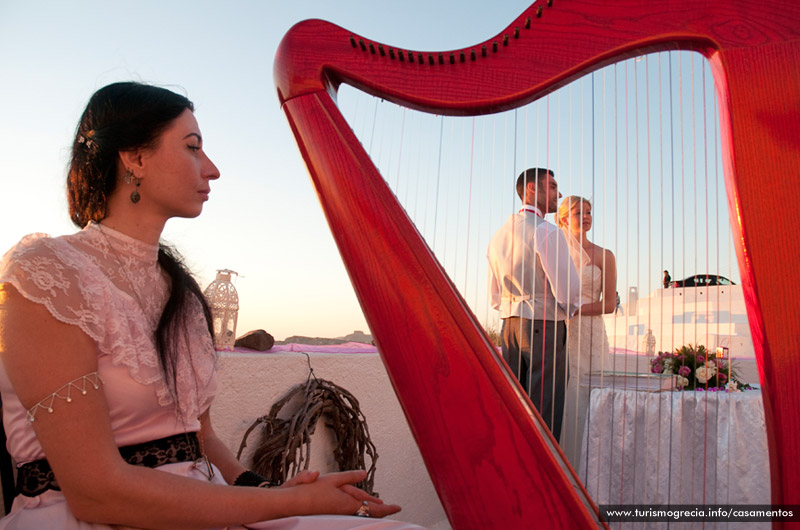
760	106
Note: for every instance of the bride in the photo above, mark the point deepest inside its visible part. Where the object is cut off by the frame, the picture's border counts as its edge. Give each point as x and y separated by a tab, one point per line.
587	343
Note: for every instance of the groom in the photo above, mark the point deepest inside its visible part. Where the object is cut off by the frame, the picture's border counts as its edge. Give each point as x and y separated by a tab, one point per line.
535	286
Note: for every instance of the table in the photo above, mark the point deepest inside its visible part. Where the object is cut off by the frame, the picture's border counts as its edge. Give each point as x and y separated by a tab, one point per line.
673	448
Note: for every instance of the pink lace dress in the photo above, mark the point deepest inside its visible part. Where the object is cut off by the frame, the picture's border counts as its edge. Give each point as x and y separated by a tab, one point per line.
112	288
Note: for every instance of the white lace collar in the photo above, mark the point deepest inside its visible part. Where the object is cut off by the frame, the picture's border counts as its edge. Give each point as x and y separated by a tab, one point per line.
125	245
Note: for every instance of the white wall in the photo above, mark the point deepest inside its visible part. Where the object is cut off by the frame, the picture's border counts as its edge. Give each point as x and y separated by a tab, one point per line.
251	382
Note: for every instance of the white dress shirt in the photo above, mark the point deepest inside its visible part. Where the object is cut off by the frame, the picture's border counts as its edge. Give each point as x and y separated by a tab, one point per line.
531	274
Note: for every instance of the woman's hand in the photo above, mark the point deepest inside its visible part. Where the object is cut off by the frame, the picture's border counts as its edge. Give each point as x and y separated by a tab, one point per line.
336	493
304	477
377	508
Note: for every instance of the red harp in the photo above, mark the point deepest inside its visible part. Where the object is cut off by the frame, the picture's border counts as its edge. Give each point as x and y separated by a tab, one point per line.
490	460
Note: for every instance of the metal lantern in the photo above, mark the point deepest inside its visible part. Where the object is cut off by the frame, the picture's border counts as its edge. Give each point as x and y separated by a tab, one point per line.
224	302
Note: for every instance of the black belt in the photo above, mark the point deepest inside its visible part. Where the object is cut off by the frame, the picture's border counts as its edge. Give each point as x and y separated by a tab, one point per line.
34	478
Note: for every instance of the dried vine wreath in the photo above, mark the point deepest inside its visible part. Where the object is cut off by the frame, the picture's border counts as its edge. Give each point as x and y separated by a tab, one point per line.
280	455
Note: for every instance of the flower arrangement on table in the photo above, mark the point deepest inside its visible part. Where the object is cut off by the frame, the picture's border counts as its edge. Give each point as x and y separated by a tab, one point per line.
698	369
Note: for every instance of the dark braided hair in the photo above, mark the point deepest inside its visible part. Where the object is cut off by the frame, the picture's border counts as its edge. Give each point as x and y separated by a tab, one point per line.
122	117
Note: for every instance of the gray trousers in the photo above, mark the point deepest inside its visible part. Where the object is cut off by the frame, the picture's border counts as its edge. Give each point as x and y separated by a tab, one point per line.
537	354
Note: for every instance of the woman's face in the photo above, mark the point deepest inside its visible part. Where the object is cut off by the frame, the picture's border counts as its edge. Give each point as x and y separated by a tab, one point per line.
176	174
580	218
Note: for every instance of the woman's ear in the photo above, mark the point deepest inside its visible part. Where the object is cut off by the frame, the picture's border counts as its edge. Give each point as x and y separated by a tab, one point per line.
132	161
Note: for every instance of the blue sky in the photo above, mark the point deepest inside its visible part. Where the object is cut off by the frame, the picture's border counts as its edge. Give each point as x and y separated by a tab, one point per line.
263	219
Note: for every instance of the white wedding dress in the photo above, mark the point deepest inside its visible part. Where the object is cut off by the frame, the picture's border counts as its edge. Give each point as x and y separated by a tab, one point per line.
587	350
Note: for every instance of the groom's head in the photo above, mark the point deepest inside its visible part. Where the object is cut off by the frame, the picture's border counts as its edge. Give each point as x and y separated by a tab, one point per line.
537	186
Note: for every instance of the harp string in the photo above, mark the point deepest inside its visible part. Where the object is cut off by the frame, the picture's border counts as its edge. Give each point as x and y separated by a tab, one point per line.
682	158
570	422
625	177
400	149
480	192
663	247
704	181
649	181
419	192
553	373
632	181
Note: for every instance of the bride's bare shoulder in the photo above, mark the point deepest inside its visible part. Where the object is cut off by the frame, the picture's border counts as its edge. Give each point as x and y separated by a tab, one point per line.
601	256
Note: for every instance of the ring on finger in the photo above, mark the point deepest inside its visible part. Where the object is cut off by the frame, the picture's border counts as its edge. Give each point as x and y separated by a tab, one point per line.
363	510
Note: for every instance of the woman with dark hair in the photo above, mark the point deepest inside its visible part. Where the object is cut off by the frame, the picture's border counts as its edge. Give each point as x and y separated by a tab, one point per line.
108	363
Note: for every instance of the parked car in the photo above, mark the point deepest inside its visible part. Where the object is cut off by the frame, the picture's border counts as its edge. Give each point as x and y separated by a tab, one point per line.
702	280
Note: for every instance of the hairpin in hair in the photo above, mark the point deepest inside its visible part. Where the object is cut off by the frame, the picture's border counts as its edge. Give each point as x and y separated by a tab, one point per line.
86	139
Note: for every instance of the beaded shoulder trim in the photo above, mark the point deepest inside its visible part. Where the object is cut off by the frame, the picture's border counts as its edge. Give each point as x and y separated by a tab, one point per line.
80	384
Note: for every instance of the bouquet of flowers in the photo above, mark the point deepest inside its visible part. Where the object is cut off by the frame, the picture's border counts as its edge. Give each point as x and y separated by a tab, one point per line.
697	370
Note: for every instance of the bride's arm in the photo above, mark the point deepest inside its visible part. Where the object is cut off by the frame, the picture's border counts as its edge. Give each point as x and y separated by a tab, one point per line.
40	354
608	297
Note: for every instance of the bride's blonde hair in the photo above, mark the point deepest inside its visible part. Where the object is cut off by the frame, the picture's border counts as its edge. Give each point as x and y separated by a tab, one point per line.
567	205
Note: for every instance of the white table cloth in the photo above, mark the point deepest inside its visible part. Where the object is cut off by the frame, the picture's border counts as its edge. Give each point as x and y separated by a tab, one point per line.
668	448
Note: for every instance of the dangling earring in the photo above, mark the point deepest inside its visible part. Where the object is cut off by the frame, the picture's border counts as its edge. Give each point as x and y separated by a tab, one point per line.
135	193
130	177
